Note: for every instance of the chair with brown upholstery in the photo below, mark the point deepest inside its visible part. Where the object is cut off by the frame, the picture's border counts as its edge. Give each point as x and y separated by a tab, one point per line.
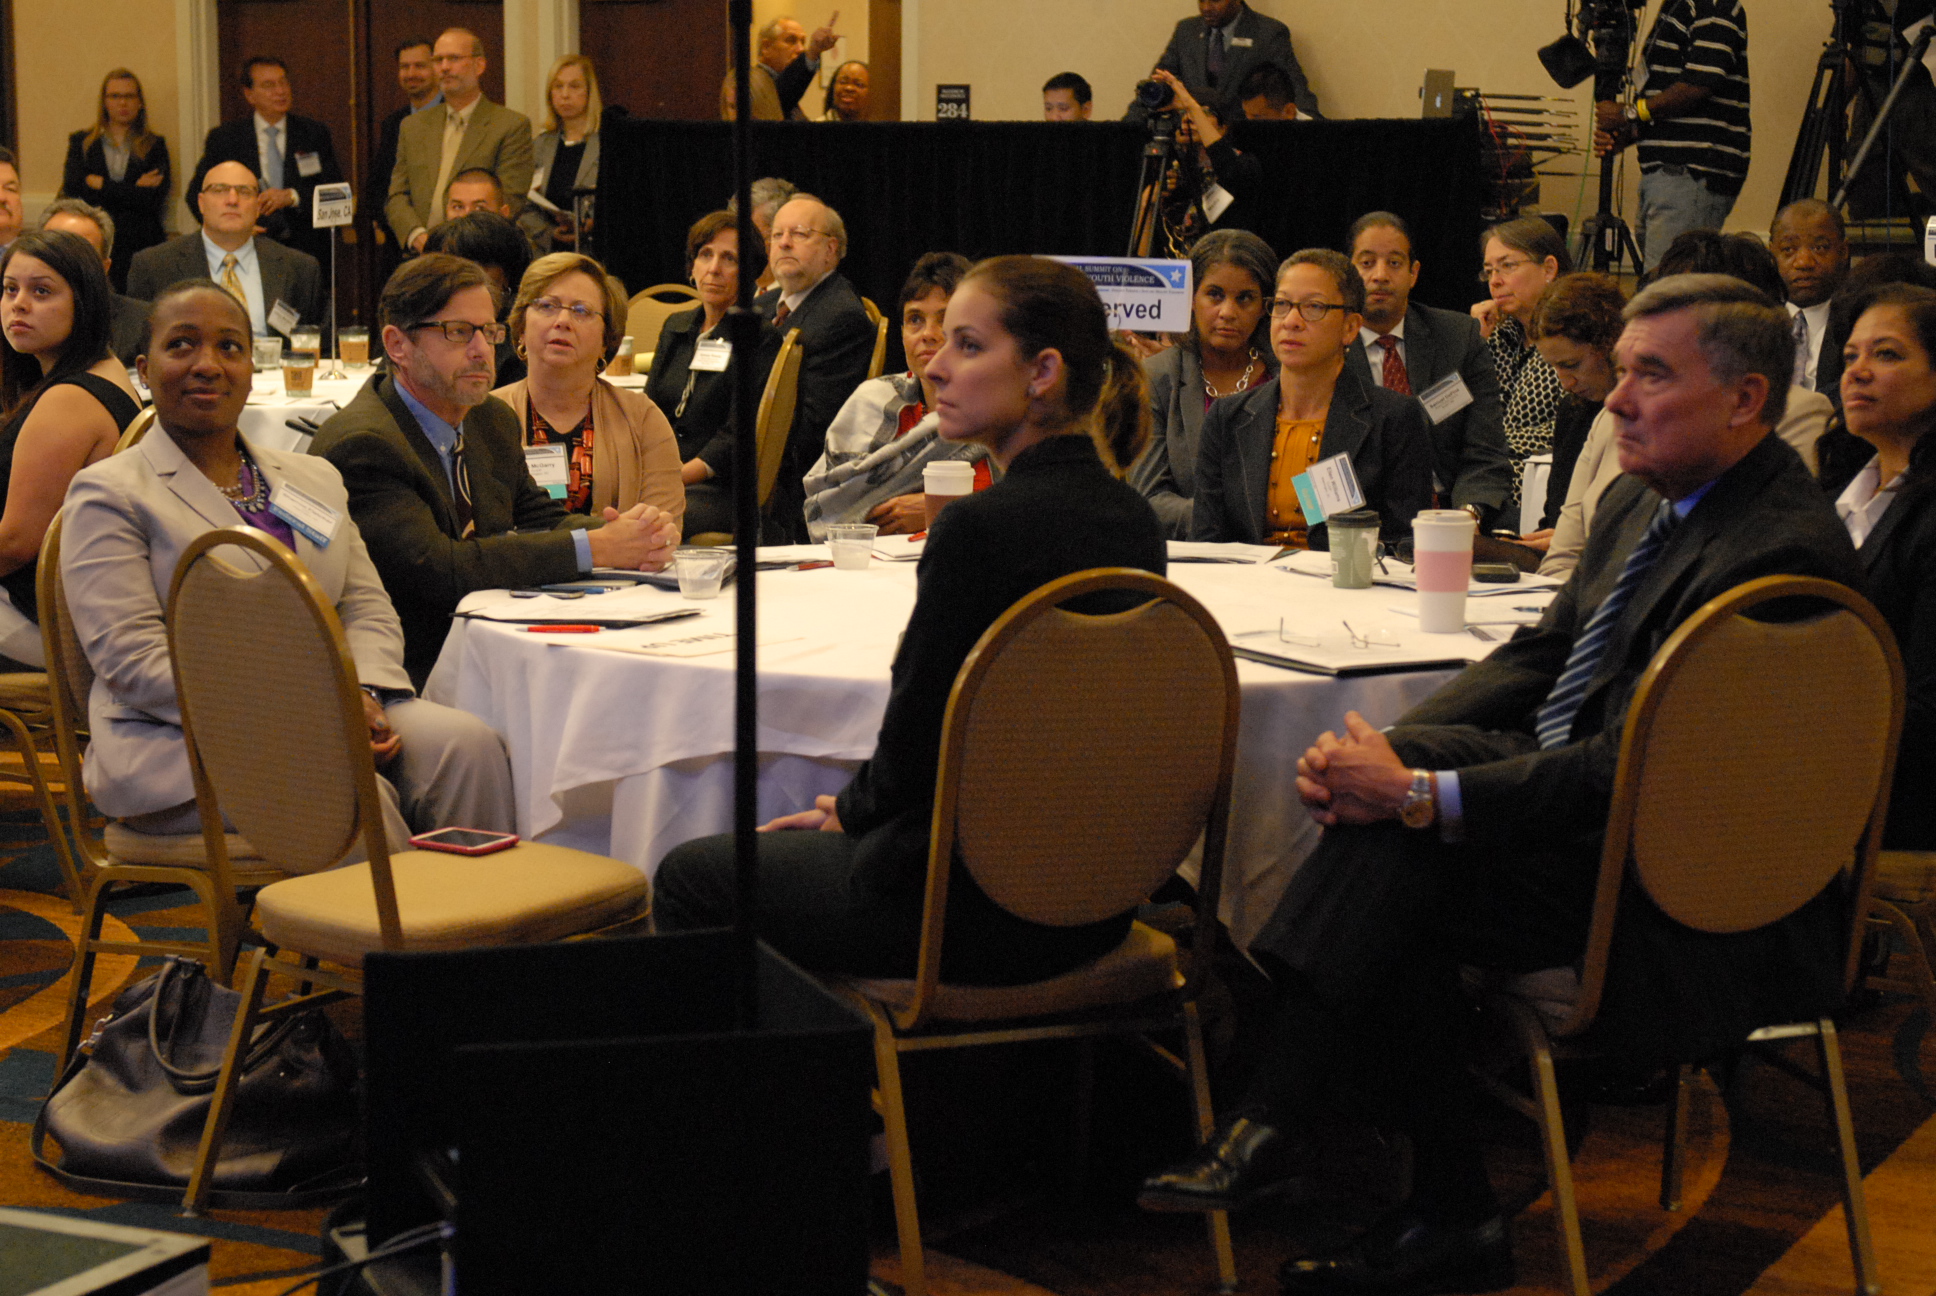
770	426
1731	813
1082	757
121	857
311	801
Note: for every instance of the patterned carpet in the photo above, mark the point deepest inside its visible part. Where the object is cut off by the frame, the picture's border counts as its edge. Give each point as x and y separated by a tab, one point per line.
1761	1215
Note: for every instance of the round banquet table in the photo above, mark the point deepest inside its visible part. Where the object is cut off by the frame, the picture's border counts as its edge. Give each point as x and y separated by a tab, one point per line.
621	741
265	419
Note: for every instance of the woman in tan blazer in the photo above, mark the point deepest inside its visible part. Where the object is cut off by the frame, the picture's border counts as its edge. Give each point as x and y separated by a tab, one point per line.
588	442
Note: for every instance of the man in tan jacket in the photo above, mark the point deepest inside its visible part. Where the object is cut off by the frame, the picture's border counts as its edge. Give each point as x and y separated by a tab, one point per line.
784	65
465	132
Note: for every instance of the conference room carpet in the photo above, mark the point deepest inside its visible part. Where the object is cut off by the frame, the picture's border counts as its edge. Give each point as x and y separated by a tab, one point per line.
1012	1205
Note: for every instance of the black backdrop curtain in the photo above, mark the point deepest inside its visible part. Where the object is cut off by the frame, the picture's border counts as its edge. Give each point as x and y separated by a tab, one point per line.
984	188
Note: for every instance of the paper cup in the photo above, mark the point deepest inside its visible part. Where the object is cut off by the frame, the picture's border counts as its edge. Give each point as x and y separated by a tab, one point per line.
299	374
852	544
943	482
1442	562
1354	547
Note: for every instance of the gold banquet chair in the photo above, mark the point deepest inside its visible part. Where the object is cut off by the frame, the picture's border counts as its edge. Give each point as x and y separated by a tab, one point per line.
770	426
1050	795
120	856
1731	813
311	799
879	321
647	312
1904	900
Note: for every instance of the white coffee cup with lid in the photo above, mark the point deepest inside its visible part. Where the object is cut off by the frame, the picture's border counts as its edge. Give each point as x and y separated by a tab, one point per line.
945	480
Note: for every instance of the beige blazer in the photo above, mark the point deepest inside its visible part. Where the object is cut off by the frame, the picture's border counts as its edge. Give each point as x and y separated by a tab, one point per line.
126	521
497	139
635	457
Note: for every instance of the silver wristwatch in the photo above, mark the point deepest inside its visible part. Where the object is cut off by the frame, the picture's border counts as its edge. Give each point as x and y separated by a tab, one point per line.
1421	805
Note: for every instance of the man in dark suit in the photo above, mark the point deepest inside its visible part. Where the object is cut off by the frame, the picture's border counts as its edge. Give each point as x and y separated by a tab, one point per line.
292	154
1410	348
417	78
128	319
436	471
1470	832
262	273
836	341
1213	53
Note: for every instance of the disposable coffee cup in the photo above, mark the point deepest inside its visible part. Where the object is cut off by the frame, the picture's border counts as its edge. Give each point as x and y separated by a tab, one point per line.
1442	562
1354	547
299	374
700	571
353	347
852	544
621	365
944	481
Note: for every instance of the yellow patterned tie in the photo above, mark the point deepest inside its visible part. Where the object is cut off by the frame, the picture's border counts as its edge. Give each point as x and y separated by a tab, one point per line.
233	281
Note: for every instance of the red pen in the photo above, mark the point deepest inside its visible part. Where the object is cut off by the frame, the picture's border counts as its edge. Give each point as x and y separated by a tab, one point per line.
814	566
564	629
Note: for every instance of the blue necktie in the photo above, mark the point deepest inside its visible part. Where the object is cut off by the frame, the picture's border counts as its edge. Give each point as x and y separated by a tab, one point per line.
272	160
1554	720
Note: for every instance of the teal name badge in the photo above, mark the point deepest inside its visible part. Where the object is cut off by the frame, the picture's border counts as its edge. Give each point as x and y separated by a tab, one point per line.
549	468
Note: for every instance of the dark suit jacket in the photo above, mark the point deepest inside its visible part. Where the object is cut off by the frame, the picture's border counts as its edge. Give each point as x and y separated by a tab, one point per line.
1535	818
128	328
1252	40
836	344
401	501
1166	472
136	210
287	275
234	141
1899	563
703	421
1385	434
1469	448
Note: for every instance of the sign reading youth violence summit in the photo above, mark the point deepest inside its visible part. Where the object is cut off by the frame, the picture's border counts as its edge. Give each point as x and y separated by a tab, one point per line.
1142	295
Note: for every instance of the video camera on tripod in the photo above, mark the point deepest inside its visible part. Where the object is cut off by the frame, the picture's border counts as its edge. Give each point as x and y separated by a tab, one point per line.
1599	41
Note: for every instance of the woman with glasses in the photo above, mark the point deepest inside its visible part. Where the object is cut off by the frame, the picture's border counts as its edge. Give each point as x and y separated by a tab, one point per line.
587	442
121	166
1226	352
847	94
1521	257
693	378
1256	444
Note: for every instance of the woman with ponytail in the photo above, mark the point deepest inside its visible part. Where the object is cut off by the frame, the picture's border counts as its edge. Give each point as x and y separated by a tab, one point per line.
1029	373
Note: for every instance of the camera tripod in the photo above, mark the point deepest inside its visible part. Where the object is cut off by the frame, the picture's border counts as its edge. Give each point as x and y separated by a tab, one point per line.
1612	33
1822	139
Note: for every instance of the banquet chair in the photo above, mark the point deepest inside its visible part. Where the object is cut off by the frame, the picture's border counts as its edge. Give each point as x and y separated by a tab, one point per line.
1730	813
120	856
309	803
648	311
1049	796
1904	900
137	428
879	362
770	426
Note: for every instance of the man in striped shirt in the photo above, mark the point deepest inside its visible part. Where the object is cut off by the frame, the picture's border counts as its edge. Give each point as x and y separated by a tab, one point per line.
1690	119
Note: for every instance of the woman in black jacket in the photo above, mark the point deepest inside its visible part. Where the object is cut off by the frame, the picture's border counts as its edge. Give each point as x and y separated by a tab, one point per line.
1029	373
122	167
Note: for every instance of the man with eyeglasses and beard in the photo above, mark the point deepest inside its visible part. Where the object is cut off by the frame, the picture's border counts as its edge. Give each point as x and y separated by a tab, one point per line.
436	471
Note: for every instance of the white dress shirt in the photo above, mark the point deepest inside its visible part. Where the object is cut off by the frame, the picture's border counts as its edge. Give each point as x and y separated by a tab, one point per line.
1864	501
249	270
1376	353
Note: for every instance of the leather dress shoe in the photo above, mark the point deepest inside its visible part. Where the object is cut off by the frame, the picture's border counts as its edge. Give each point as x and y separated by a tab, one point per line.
1403	1255
1244	1160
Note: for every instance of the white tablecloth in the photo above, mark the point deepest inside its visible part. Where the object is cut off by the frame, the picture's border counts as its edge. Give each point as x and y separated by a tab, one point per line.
631	754
265	419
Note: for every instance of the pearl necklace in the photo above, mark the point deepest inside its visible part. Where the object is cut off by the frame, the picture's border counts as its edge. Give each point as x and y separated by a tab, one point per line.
250	499
1242	382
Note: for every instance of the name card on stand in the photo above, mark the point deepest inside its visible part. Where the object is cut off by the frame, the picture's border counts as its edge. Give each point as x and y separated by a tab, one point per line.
333	205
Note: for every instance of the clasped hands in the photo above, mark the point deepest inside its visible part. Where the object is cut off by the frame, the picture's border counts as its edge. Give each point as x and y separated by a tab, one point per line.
1355	778
642	538
385	742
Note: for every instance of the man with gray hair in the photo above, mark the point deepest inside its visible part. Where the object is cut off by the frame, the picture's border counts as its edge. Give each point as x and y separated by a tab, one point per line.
785	60
128	317
1469	834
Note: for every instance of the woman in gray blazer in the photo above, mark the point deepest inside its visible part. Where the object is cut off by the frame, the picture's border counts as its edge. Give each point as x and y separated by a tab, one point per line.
126	522
1226	351
565	155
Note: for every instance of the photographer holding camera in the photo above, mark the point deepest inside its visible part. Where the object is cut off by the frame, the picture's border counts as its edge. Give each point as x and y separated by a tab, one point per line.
1214	52
1690	119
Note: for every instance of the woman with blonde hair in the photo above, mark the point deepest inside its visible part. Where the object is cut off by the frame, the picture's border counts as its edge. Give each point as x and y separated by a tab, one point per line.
122	167
1029	373
589	443
565	155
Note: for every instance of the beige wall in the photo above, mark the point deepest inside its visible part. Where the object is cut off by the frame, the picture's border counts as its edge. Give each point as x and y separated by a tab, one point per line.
59	79
1006	49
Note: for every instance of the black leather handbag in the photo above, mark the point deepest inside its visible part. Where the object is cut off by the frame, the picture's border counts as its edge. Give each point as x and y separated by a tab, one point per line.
128	1114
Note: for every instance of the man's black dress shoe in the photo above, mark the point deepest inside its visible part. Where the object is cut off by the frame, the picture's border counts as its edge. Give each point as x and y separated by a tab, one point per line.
1402	1255
1244	1160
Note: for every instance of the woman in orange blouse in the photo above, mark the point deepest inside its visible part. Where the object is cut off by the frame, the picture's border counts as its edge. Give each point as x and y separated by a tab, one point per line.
1254	445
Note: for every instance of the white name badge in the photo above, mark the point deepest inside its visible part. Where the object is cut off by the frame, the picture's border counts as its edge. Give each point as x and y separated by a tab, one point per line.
308	164
1216	201
1445	397
305	514
1242	42
1331	486
282	316
712	355
549	468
